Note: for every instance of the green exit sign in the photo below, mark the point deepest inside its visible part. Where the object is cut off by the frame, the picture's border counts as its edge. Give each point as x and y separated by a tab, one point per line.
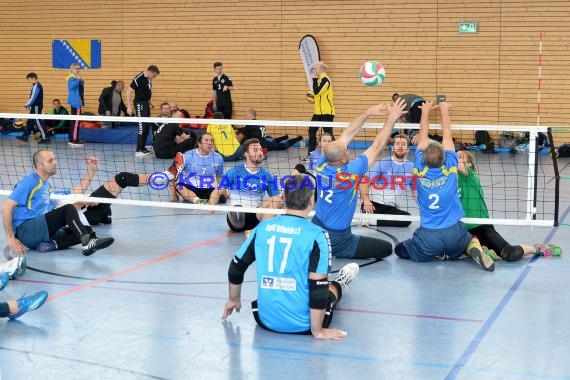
468	27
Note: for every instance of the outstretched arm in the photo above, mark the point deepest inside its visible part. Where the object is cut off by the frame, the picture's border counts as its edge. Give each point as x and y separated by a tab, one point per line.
83	185
382	137
422	138
356	125
447	142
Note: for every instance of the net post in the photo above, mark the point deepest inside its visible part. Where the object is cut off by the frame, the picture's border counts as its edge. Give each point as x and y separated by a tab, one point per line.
556	176
532	172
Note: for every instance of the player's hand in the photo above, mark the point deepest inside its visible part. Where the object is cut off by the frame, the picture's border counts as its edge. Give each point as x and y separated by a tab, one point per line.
92	163
230	307
107	113
397	110
16	246
334	334
368	207
378	110
225	88
444	107
130	110
428	106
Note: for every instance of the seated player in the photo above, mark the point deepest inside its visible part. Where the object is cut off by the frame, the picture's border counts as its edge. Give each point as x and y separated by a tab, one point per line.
474	206
293	259
338	178
170	138
441	231
30	216
391	175
199	173
247	185
259	132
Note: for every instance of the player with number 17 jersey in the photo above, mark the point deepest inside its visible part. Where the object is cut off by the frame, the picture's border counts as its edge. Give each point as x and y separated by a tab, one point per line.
283	266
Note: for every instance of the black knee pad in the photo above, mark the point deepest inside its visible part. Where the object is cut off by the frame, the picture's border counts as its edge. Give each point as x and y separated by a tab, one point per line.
125	179
512	253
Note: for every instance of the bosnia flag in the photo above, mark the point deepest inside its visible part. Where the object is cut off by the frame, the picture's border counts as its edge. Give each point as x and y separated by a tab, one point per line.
86	53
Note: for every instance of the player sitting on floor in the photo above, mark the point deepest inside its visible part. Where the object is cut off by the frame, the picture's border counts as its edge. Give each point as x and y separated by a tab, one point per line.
293	259
198	174
338	179
247	184
474	206
441	231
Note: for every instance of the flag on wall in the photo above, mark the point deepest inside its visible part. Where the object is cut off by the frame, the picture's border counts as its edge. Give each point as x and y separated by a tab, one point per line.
87	53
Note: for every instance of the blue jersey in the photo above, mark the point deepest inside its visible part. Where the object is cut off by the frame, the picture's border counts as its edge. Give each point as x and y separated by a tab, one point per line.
315	159
201	171
438	200
286	249
248	188
338	193
389	179
33	197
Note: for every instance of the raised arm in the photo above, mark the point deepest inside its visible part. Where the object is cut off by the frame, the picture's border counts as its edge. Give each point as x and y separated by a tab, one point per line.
382	137
422	138
447	142
356	125
83	185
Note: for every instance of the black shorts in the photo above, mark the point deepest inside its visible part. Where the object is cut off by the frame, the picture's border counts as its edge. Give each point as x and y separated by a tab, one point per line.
326	321
246	221
102	212
204	193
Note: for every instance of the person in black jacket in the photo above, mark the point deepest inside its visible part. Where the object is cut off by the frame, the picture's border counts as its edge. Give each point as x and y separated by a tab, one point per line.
111	101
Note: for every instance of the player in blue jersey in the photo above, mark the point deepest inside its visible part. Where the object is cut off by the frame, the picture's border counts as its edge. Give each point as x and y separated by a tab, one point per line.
441	231
293	261
387	182
338	180
29	216
248	184
199	172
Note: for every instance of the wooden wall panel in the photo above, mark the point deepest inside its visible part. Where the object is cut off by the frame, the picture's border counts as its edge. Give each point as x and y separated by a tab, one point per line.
491	76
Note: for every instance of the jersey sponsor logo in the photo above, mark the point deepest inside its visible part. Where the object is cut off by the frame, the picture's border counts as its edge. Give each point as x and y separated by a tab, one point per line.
279	283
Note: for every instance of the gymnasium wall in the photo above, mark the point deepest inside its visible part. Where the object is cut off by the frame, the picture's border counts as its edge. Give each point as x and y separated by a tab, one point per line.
491	76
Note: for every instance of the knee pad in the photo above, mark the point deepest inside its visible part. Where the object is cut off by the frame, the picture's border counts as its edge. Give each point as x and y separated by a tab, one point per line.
512	253
236	221
401	251
125	179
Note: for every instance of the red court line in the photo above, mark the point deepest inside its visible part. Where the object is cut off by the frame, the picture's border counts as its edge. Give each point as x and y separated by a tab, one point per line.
137	267
246	301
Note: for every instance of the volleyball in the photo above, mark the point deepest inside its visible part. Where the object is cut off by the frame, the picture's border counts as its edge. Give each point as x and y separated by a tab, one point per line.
310	96
372	73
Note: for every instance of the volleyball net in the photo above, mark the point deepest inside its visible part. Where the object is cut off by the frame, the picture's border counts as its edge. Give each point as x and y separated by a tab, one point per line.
518	175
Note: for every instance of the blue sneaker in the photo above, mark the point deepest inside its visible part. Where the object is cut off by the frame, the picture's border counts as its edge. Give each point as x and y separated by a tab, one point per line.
4	278
30	302
46	246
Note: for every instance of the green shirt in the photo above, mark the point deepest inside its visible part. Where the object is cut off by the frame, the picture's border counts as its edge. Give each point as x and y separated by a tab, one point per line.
472	197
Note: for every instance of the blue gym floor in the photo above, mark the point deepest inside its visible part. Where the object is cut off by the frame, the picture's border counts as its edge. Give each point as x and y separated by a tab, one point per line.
150	306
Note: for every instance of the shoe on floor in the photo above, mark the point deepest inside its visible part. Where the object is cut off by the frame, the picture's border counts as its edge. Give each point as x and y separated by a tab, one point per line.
142	153
76	143
548	250
346	274
29	302
95	244
15	267
484	261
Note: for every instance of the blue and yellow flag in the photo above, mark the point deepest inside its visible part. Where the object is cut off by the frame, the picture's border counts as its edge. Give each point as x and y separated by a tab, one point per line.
87	53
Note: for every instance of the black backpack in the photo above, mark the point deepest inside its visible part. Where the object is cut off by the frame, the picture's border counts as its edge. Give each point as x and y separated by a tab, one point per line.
482	137
563	150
